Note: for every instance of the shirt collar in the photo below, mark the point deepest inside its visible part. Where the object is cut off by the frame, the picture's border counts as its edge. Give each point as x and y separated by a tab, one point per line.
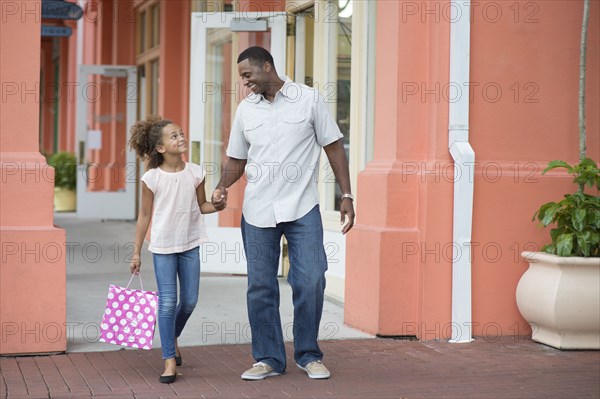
289	88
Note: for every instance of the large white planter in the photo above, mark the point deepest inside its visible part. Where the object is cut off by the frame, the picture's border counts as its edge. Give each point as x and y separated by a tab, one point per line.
560	298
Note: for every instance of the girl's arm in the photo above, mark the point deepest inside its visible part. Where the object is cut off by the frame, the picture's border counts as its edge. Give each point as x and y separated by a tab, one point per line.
205	207
141	227
232	171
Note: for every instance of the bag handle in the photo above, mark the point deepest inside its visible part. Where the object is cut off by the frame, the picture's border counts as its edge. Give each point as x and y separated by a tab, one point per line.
131	279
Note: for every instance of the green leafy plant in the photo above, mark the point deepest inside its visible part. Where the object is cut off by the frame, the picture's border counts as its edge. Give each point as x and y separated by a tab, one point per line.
65	170
577	216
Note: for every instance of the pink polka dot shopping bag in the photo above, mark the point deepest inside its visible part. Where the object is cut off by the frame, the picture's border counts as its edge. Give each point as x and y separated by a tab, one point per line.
129	317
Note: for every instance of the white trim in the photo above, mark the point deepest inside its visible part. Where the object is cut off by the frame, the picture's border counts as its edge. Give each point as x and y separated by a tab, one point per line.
334	243
464	158
361	93
80	27
324	72
370	88
300	49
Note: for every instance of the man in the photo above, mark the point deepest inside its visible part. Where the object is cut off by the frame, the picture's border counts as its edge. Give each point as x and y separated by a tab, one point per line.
277	135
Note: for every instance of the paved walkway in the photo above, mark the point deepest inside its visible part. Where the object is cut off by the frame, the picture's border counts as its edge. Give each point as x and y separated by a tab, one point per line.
215	348
361	368
98	255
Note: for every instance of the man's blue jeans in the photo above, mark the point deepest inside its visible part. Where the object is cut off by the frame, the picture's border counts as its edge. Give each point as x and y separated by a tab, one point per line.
306	277
171	315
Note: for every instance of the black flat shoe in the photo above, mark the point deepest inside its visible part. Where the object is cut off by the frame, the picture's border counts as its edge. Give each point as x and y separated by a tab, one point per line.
167	379
178	361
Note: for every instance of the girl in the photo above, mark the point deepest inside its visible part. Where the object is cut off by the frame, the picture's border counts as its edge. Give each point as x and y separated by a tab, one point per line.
175	190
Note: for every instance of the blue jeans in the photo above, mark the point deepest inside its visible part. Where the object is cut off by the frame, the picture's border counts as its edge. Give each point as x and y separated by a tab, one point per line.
172	316
306	277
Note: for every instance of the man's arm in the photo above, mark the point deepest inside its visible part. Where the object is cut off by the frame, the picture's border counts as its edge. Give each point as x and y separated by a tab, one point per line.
232	171
337	159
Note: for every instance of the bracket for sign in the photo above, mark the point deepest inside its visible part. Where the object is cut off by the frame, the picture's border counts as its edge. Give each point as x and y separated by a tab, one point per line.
248	25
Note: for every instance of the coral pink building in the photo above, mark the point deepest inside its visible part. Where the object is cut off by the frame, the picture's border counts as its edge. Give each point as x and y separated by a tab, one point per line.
450	110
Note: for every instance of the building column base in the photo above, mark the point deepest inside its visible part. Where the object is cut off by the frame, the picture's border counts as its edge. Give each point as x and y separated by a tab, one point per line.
381	287
398	277
32	290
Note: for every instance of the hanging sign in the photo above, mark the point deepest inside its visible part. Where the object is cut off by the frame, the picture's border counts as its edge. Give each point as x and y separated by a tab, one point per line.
60	31
58	9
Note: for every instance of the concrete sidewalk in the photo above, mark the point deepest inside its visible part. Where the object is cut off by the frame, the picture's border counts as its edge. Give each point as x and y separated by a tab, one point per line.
215	349
98	254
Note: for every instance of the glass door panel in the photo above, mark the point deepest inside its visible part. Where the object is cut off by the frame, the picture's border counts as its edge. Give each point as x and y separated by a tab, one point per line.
106	168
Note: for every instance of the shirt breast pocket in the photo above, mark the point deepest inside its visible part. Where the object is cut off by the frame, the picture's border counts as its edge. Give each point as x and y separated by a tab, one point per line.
255	131
297	127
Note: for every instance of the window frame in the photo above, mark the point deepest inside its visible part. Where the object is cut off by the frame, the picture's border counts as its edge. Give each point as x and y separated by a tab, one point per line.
361	94
148	58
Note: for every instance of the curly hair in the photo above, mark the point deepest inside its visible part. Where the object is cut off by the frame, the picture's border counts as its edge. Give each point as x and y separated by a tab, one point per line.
145	136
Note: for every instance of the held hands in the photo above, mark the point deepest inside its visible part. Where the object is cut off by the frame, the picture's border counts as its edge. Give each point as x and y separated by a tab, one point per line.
135	264
346	210
219	198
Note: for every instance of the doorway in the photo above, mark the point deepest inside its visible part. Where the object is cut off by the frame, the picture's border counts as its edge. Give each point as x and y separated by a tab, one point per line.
106	172
214	94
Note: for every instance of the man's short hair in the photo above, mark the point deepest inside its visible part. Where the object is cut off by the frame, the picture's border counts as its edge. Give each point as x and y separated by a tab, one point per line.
256	55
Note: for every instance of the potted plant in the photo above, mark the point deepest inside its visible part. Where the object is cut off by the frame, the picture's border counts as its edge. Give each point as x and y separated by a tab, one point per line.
65	181
559	295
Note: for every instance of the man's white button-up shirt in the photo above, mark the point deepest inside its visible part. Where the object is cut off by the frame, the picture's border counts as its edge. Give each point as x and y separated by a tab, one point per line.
281	142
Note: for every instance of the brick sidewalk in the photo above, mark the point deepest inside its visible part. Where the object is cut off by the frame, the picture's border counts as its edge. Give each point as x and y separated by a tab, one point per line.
367	368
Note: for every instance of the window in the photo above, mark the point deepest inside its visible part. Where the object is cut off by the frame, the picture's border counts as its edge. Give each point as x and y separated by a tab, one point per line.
147	57
155	28
334	52
333	21
304	51
217	108
343	63
212	5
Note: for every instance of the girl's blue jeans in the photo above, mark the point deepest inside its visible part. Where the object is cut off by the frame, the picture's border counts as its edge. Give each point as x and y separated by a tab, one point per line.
172	316
306	277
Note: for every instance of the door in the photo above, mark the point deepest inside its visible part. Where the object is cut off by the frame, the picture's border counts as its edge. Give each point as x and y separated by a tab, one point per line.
107	172
217	39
